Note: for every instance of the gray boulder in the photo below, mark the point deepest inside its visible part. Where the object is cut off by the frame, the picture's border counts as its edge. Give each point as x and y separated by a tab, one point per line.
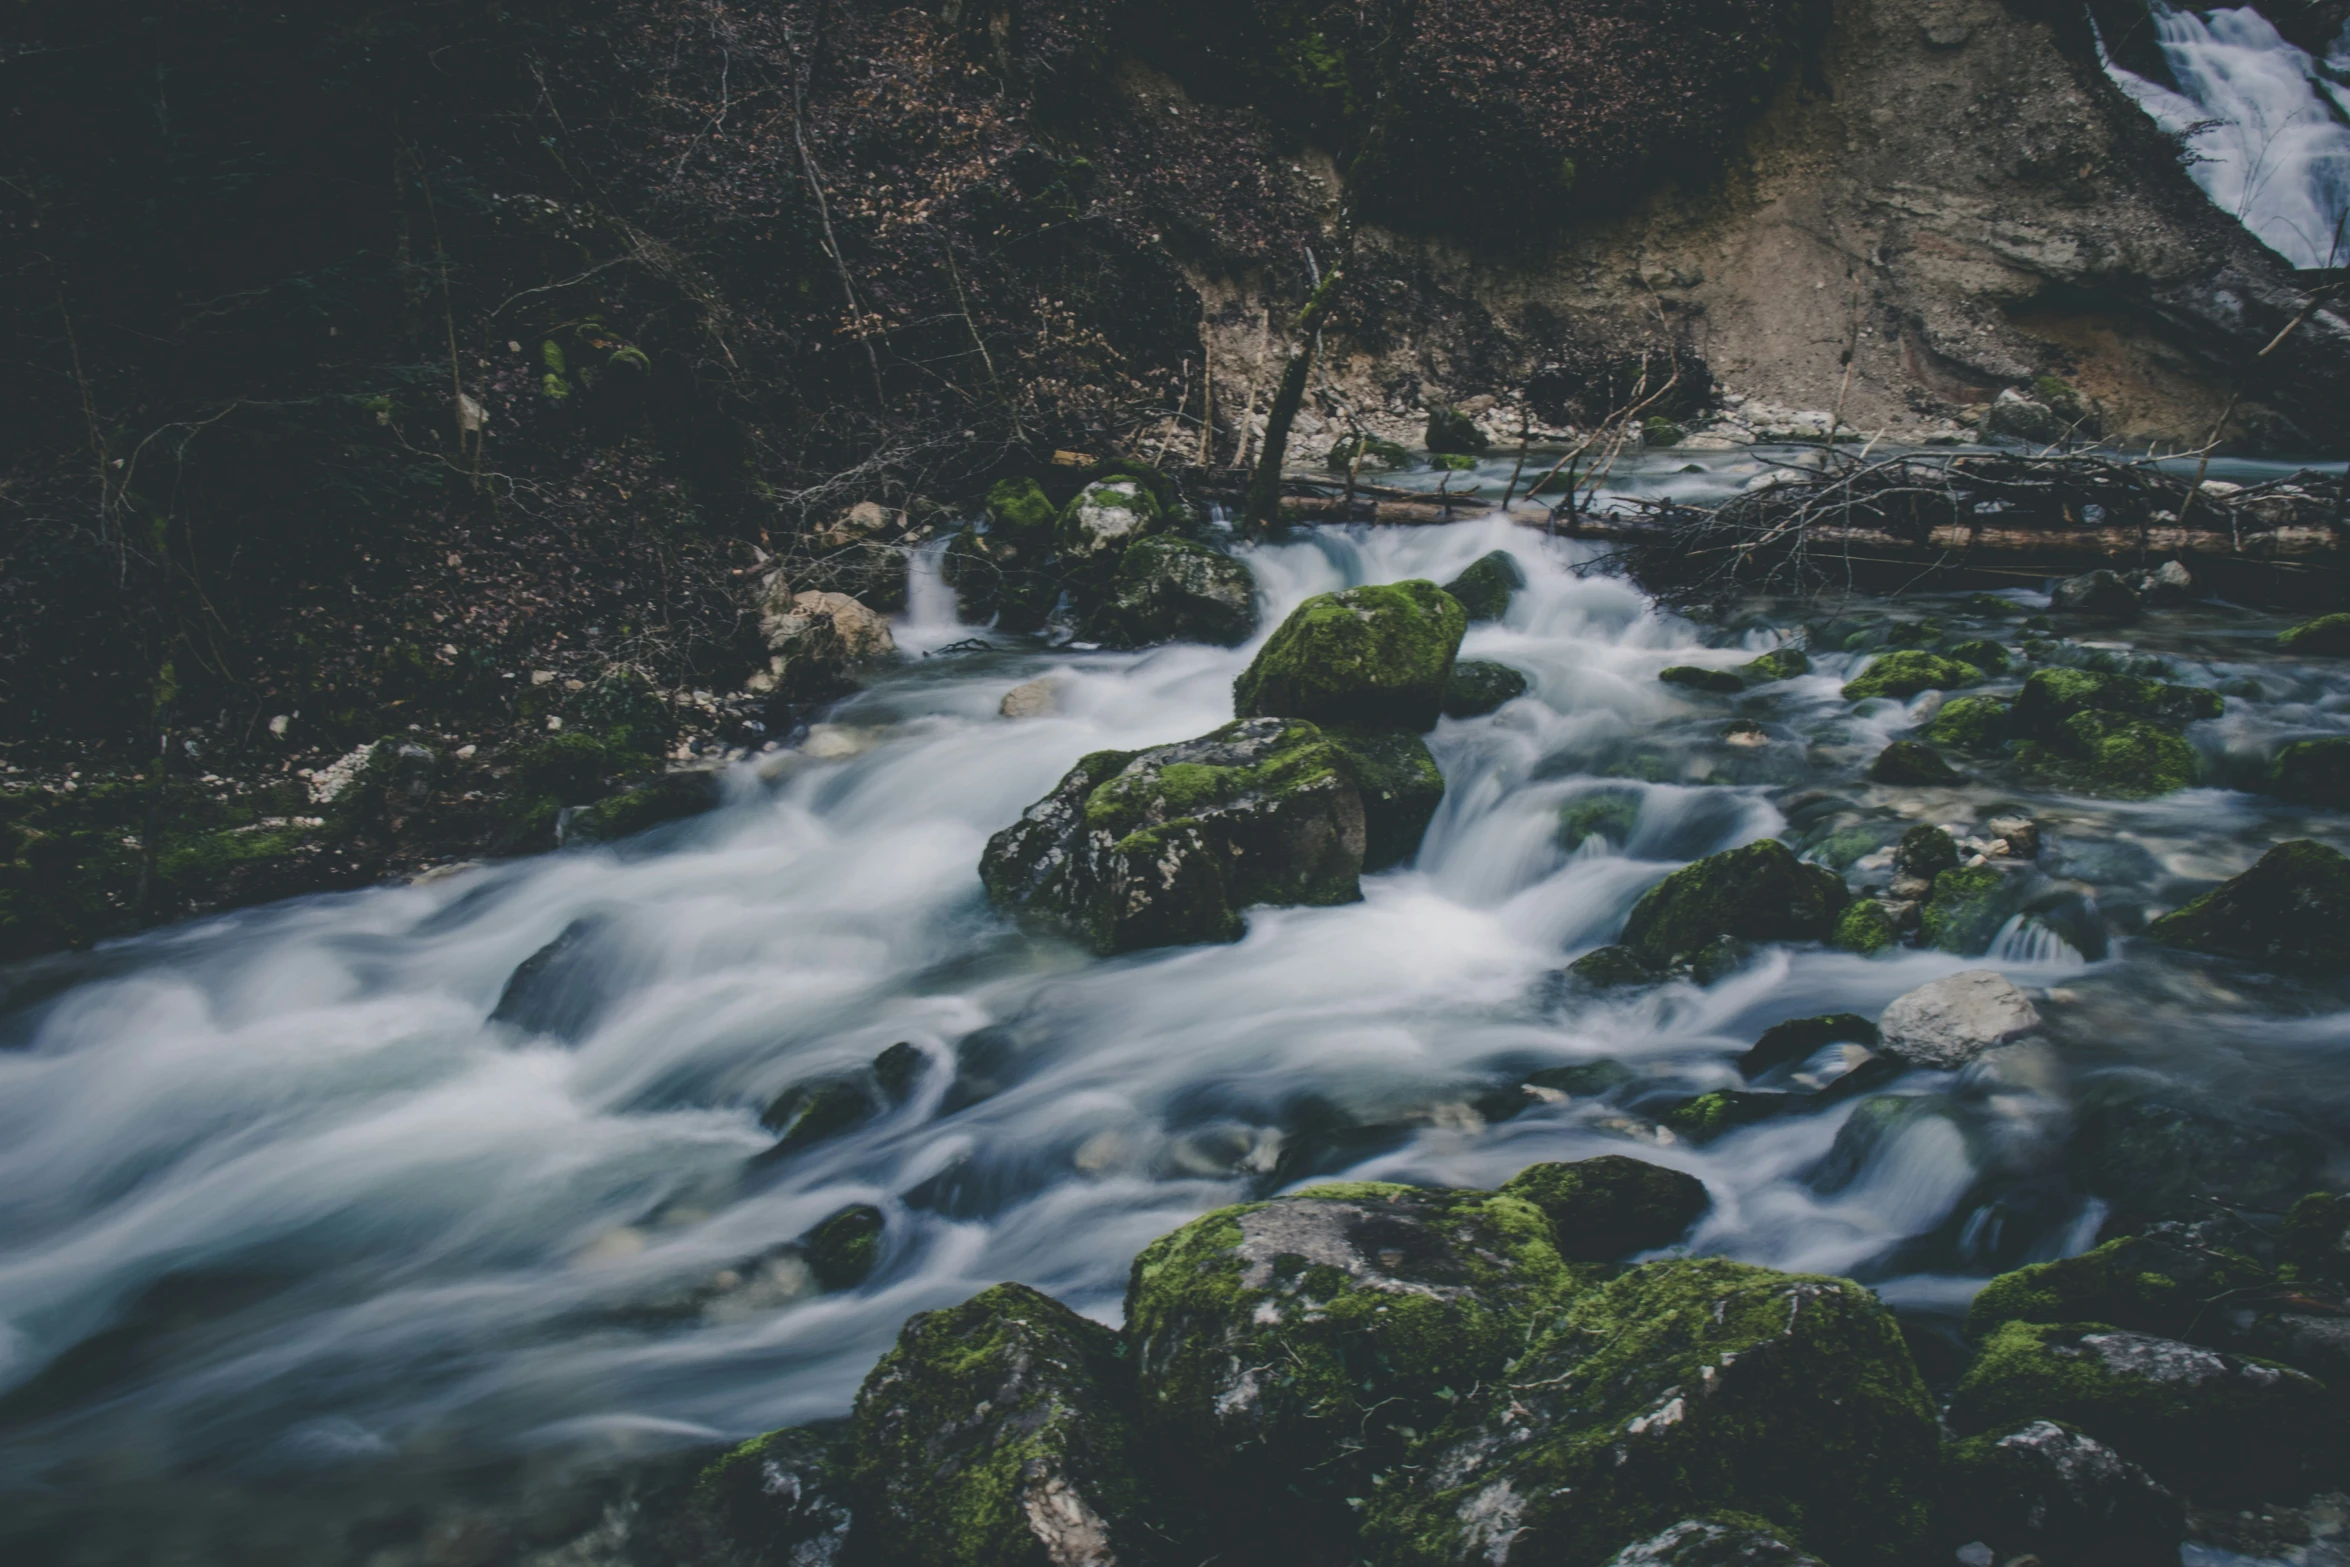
2098	593
2049	1490
1951	1021
1171	590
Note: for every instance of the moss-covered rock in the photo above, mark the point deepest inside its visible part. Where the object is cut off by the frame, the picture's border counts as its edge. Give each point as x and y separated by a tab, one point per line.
809	1113
670	797
2289	912
2045	1490
1968	907
1906	673
996	1434
1401	786
1607	1208
1609	814
2213	1422
2051	696
2157	1283
1101	522
2115	758
1613	968
1925	852
1287	1349
1377	656
1691	677
1479	686
1484	589
2313	772
841	1250
1706	1116
2328	636
1783	663
1910	764
1971	723
779	1500
1009	573
1760	892
1168	845
1681	1386
2169	1157
1169	589
1985	655
1450	430
1864	927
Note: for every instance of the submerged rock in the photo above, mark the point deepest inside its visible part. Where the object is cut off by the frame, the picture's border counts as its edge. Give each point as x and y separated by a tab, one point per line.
997	1432
1479	686
1681	1387
1167	846
1378	656
1726	1110
1613	968
1286	1349
1783	663
1693	678
1925	852
2328	636
1971	723
1906	673
1484	589
1969	906
1171	590
1607	1208
1609	814
2046	1490
2289	912
1954	1019
1906	762
2211	1421
842	1250
1102	522
1760	892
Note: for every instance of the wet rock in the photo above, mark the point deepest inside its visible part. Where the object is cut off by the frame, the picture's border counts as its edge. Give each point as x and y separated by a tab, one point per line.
842	1250
2097	593
1707	1542
1484	589
2163	1282
779	1500
1613	968
1608	814
670	797
1034	699
1101	523
1760	892
1906	762
1376	656
1954	1019
1167	846
1925	853
1798	1039
1989	657
2167	584
556	990
1401	787
2328	636
1971	723
2046	1490
2214	1422
2153	1159
1607	1208
809	1113
1007	574
1286	1349
1692	678
1725	1110
1451	430
1783	663
1906	673
1682	1387
2050	696
821	621
899	1070
2316	1239
2021	835
2289	912
2025	419
2313	772
1969	906
1173	590
2114	757
997	1431
1479	686
1864	927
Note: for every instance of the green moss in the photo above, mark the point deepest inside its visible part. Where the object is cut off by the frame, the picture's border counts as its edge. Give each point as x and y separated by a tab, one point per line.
1169	589
1376	453
1484	589
1693	678
1783	663
1401	787
2290	911
1681	1387
1479	686
1450	430
1864	927
2051	696
1613	968
1605	1209
1989	657
2147	1284
2328	636
2313	772
2116	758
842	1250
1969	906
1760	892
1019	513
1907	763
1971	723
1657	430
1377	656
1904	674
780	1498
1723	1111
1610	814
988	1420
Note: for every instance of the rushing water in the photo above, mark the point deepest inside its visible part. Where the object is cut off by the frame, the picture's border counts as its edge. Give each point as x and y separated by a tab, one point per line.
301	1256
2266	126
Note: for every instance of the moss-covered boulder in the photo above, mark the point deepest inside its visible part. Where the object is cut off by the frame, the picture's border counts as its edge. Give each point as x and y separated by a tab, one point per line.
1682	1386
1985	655
1101	522
1008	574
2162	1283
1401	787
2328	636
1971	723
1286	1350
1607	1208
1760	892
1607	814
1451	430
842	1250
1703	1117
779	1500
1783	663
1377	656
1613	968
2210	1421
1479	686
1907	763
1969	906
2050	696
1167	846
1905	673
2048	1491
2289	912
2114	757
1169	589
1864	927
2313	772
1925	852
1484	589
997	1434
1690	677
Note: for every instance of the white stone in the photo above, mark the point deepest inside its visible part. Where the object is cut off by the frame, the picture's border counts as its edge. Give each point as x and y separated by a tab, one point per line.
1036	699
1955	1019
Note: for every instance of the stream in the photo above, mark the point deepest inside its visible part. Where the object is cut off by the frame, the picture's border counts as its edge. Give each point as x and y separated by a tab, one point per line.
302	1257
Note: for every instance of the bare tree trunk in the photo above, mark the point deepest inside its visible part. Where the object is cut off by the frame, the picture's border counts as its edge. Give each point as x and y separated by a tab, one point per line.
1263	507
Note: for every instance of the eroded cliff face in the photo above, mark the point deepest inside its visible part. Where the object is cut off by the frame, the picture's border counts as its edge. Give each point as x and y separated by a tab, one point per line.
1953	196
